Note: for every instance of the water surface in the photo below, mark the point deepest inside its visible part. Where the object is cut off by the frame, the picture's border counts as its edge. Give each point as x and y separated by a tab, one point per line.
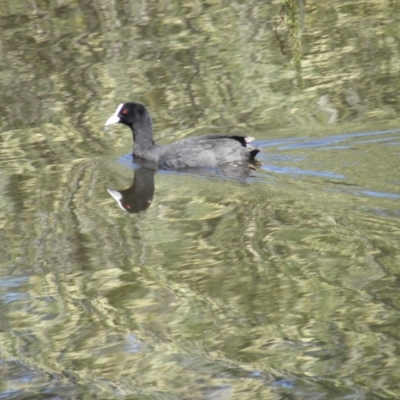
280	283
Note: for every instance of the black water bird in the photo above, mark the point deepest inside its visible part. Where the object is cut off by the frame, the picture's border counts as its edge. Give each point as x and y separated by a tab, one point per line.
212	151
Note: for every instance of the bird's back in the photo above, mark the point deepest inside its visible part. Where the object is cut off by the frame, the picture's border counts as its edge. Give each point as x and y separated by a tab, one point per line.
206	151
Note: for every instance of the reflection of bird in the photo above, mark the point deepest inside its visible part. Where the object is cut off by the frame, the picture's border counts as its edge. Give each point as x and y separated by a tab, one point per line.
193	152
140	195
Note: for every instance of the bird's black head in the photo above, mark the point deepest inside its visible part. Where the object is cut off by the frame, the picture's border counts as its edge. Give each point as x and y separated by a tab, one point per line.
130	114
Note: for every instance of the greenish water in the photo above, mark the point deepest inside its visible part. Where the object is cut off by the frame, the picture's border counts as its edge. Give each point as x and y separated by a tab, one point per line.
283	284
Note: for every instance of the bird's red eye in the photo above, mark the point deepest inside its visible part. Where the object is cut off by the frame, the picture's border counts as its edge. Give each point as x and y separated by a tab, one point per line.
124	111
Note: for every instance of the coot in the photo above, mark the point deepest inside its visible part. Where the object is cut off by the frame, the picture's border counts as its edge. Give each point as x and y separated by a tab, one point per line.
193	152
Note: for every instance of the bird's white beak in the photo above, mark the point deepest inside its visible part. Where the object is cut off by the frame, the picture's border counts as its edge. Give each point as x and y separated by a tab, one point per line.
114	119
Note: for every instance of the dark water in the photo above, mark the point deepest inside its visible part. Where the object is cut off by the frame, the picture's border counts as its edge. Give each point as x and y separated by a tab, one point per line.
281	284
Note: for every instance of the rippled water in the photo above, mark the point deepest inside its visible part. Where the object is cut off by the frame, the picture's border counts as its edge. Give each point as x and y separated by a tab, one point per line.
121	282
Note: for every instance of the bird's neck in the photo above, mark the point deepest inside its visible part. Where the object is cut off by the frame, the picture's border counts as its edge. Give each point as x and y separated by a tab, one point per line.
143	136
